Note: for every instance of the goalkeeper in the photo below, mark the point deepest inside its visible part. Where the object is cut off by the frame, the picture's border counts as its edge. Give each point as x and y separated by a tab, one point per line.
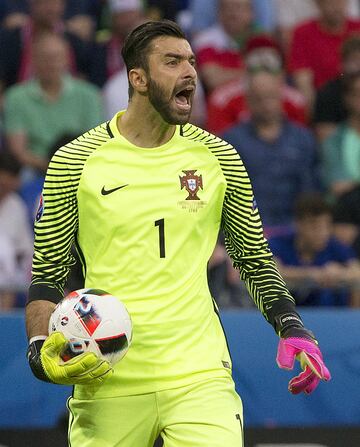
143	197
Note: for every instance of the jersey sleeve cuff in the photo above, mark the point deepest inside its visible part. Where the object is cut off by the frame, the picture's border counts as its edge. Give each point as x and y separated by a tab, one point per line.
44	292
283	315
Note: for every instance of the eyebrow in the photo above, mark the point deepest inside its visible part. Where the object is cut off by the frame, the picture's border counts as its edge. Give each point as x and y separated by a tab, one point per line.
180	57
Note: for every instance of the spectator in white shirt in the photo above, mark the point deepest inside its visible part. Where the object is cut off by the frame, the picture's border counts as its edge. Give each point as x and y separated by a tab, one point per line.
15	234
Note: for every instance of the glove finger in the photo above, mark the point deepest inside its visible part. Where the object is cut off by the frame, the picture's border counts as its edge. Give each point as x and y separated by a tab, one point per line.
310	388
302	381
99	370
54	344
81	364
285	356
97	375
316	364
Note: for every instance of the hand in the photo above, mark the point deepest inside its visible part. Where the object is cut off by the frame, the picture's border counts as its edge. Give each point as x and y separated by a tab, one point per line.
298	343
333	273
46	363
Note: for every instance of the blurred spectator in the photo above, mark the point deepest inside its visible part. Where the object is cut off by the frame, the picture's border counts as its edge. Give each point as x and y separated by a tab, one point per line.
290	13
265	14
278	154
314	56
347	219
37	112
31	187
203	14
15	235
115	94
106	59
227	103
318	269
16	45
219	48
80	16
13	13
162	9
330	109
341	150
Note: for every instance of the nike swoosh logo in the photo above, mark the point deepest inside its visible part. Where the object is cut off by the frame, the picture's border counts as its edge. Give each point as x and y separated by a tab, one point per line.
105	192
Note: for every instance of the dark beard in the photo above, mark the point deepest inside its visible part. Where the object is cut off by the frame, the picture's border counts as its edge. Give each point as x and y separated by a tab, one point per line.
162	105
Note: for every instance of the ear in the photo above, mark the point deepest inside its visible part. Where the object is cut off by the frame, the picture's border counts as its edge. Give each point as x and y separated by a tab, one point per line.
138	80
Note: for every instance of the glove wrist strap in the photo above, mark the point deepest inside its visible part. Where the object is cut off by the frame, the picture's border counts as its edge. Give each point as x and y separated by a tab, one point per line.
37	337
287	320
34	358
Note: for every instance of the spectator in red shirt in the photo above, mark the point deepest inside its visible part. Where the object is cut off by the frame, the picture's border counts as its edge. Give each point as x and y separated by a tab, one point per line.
314	56
218	48
227	104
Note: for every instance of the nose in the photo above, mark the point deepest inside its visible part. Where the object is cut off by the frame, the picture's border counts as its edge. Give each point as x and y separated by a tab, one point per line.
189	71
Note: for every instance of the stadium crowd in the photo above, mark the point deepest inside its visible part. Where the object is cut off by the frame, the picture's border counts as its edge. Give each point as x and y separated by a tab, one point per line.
278	79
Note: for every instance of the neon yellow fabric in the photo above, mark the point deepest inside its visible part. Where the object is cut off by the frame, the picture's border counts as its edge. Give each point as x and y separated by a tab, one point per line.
146	221
203	414
85	368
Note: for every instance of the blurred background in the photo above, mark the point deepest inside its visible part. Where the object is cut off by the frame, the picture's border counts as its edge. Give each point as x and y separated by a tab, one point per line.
278	79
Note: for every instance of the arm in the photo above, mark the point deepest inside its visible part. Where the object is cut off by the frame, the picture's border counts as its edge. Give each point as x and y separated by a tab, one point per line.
213	75
303	80
15	124
82	26
336	177
299	65
54	234
250	253
17	142
299	275
37	315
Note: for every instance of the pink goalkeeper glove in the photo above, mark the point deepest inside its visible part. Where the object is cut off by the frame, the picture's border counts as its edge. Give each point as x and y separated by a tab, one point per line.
307	352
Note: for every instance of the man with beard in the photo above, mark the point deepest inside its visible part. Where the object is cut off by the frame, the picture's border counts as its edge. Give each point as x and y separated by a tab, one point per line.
144	196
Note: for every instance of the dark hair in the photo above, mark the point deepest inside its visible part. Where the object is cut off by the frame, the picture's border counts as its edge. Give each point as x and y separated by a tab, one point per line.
9	163
136	45
350	46
311	205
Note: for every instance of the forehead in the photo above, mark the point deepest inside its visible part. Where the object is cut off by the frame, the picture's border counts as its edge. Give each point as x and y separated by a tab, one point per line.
163	45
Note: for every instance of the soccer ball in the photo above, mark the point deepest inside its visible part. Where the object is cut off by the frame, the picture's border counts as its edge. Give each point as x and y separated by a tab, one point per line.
93	321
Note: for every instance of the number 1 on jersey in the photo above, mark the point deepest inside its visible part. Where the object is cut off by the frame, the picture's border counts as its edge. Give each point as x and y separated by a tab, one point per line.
161	224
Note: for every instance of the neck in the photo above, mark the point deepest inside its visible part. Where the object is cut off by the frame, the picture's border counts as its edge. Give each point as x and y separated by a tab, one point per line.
306	253
144	127
268	130
51	88
333	26
39	28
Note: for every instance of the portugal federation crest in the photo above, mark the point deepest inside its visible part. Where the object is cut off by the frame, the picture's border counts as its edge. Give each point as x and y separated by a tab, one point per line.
192	183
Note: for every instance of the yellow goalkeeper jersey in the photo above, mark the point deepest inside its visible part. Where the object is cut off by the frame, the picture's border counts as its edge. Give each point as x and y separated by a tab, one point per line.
146	221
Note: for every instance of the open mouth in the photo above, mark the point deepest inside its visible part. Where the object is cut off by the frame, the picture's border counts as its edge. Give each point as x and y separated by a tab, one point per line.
183	98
